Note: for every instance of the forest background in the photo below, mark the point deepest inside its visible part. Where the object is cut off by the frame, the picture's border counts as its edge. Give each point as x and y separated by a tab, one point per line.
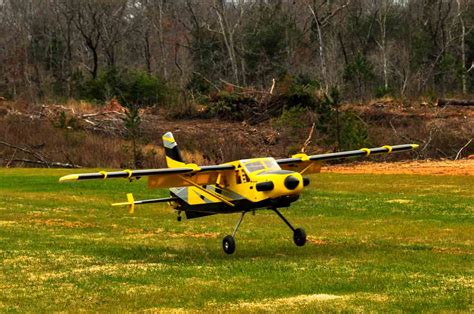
296	63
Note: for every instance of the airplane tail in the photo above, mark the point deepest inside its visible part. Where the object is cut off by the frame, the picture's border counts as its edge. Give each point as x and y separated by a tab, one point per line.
173	154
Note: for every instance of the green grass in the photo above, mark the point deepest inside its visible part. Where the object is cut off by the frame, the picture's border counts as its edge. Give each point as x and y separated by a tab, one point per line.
377	243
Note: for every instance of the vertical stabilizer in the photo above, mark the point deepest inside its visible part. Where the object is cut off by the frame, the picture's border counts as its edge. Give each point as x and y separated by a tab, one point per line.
173	154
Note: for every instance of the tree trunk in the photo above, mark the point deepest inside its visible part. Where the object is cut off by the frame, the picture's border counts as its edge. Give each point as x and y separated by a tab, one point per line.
162	42
95	66
463	49
227	34
321	48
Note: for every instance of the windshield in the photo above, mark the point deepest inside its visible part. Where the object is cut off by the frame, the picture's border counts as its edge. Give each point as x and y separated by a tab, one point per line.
263	164
254	166
271	164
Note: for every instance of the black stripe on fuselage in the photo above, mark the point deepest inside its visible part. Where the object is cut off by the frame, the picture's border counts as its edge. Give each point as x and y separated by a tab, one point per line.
240	205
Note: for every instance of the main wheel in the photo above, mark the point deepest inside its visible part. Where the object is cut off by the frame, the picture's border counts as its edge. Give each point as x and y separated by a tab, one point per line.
228	244
299	237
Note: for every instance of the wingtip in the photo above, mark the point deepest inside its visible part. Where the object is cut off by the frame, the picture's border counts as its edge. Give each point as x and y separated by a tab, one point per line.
69	177
415	146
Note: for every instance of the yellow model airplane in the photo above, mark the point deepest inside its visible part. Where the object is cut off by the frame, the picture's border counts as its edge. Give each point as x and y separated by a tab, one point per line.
238	186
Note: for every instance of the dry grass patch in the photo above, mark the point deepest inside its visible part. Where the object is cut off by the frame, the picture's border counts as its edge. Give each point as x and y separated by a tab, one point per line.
94	270
309	301
315	240
400	201
62	223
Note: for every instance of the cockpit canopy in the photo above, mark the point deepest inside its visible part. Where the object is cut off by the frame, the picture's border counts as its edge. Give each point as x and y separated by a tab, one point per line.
254	166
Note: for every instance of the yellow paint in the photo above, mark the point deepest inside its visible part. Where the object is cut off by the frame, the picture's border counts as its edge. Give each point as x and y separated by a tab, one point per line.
207	192
248	189
129	172
193	166
176	180
388	147
301	156
130	203
173	163
104	173
69	177
168	139
366	150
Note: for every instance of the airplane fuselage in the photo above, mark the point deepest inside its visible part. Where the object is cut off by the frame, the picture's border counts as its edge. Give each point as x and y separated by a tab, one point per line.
254	184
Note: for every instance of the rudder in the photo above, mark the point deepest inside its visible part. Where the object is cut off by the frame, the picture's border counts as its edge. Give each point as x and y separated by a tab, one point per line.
172	152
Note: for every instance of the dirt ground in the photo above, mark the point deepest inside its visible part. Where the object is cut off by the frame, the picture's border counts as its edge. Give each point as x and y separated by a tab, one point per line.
463	167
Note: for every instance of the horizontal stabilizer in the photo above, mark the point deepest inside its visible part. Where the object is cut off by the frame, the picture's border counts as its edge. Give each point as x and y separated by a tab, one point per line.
131	202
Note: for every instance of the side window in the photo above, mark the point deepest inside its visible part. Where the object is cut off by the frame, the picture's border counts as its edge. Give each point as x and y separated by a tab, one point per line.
245	177
241	176
238	179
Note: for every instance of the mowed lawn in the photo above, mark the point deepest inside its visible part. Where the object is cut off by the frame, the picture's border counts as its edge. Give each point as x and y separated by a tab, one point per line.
376	243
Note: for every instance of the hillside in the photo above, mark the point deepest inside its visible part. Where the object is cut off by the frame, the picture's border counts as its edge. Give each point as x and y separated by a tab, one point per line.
84	135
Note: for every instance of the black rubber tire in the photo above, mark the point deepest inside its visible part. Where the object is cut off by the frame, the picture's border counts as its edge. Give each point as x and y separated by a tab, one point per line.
228	244
299	237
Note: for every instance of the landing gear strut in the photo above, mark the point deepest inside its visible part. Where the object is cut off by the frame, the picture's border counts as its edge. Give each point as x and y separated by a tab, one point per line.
299	235
228	244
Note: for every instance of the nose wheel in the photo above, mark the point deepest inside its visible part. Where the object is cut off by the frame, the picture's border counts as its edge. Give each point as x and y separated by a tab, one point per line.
299	237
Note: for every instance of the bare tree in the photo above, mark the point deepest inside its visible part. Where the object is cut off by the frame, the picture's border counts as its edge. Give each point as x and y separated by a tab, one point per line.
88	22
464	32
114	26
321	22
227	29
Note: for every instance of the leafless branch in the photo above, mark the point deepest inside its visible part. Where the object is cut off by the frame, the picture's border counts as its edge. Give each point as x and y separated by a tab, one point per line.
459	152
308	140
27	151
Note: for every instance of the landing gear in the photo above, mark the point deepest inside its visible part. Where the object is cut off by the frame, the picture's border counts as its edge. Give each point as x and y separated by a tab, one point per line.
228	244
299	235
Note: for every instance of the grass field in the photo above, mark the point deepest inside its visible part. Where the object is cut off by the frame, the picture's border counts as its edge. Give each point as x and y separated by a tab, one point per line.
377	243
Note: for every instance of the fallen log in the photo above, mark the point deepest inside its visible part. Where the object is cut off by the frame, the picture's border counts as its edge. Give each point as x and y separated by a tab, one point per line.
52	164
443	102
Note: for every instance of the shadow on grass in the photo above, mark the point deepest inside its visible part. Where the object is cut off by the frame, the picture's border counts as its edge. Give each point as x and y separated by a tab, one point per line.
245	251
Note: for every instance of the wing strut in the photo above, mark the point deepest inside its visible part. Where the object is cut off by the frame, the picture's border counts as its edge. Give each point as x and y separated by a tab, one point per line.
216	195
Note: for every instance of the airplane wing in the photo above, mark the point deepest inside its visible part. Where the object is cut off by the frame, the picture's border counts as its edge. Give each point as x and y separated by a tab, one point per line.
312	164
188	175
